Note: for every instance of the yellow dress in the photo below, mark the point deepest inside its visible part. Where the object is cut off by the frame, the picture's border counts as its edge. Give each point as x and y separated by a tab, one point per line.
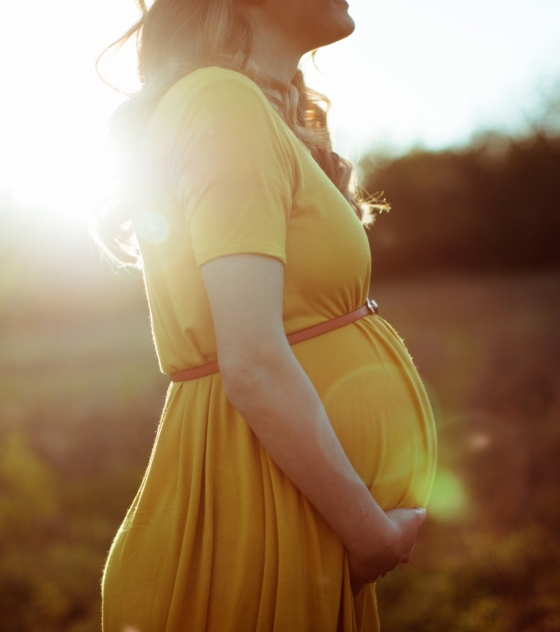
217	538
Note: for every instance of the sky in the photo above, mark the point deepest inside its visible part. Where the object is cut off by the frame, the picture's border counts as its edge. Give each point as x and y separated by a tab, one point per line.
431	73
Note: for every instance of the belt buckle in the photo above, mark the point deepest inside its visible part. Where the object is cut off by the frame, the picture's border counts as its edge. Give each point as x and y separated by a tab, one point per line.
372	306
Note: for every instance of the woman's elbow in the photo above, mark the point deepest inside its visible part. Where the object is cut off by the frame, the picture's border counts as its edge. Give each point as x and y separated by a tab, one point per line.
244	375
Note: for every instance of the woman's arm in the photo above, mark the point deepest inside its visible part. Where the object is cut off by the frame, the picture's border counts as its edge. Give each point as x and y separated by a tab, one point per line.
265	383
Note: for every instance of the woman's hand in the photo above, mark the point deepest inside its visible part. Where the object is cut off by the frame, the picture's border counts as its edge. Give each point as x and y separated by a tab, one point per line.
385	554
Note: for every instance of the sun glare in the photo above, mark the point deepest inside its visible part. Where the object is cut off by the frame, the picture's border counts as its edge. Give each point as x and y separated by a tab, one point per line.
53	149
409	74
449	497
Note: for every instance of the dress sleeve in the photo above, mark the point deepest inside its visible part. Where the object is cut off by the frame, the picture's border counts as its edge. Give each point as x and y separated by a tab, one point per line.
231	168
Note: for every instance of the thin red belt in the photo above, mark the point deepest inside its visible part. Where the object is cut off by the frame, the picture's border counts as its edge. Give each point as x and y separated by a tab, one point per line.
208	369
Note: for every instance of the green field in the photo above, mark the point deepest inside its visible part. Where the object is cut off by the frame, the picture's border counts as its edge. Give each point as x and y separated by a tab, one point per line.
81	400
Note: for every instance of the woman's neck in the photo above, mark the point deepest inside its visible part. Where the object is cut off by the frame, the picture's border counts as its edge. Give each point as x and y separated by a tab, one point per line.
274	58
274	51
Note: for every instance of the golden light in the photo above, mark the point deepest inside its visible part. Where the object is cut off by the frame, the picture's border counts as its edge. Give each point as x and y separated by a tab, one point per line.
430	72
449	497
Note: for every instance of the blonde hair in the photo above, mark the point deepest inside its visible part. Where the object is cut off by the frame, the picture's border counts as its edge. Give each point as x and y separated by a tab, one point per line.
173	38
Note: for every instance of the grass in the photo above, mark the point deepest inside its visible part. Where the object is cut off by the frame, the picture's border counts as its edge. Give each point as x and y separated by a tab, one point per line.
81	401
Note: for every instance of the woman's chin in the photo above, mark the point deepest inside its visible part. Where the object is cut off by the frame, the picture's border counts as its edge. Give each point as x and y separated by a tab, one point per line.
338	29
345	28
350	25
332	25
346	24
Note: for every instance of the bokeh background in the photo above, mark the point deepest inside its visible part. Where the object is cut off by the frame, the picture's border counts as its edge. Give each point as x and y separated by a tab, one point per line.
452	109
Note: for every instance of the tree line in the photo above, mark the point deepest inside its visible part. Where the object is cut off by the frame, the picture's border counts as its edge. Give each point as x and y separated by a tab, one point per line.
494	205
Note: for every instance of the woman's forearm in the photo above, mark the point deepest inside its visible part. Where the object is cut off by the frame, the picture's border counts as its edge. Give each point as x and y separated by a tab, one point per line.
279	402
266	384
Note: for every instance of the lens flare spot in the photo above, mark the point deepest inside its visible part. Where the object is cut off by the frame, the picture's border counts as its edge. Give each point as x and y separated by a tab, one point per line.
151	226
479	442
449	497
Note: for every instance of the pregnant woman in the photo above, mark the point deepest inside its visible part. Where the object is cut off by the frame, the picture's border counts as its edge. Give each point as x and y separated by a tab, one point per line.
288	475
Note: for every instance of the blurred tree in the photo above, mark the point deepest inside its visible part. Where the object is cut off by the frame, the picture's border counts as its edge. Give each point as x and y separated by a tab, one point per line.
546	122
28	507
491	206
28	499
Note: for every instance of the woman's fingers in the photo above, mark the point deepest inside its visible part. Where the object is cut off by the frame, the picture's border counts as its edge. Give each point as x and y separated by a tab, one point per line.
406	524
422	514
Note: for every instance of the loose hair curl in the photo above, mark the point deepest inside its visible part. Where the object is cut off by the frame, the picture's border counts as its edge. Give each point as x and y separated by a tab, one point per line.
173	38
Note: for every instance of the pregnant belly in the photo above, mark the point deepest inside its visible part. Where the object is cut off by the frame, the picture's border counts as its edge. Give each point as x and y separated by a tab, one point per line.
378	407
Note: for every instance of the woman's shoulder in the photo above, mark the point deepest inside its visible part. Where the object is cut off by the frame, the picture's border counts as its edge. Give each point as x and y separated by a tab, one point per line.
217	102
213	85
215	76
